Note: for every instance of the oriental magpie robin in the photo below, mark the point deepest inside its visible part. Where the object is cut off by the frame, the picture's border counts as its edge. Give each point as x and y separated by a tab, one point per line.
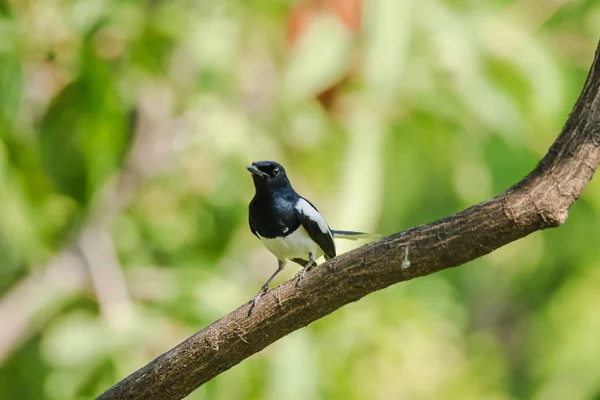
287	224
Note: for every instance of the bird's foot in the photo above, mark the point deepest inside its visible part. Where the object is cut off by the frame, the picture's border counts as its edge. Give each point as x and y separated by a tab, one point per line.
256	298
300	274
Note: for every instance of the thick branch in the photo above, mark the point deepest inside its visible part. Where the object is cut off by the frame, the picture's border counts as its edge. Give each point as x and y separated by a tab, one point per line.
541	200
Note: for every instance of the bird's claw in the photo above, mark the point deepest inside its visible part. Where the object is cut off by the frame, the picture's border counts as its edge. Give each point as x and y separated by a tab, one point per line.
300	274
262	291
255	299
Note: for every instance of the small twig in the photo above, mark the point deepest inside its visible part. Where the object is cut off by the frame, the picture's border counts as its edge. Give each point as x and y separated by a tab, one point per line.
25	307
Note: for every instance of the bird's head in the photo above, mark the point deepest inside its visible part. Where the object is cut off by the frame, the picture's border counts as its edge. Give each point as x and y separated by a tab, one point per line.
268	173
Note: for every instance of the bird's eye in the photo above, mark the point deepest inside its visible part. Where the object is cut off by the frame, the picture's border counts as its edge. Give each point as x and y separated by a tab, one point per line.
275	171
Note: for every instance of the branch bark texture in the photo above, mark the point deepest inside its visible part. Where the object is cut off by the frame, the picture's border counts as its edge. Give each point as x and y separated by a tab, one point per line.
541	200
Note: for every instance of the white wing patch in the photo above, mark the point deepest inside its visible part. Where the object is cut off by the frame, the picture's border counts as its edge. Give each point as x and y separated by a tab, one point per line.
305	208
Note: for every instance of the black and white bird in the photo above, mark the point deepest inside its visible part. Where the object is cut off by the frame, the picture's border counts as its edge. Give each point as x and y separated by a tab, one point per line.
287	224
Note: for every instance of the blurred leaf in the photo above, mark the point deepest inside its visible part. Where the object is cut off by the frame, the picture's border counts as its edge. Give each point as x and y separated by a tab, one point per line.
10	87
84	134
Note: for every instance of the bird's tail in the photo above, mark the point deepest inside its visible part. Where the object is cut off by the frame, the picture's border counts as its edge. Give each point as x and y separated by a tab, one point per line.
355	235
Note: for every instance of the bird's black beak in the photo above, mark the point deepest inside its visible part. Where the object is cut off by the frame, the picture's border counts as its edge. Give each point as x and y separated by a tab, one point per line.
255	171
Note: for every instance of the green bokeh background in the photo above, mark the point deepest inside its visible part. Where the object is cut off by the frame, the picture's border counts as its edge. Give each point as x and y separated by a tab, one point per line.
125	127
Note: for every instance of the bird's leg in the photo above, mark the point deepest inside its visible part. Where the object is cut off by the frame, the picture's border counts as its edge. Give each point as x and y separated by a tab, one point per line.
265	287
311	263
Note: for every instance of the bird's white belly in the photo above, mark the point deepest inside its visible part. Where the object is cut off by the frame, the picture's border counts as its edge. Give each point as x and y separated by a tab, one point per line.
295	245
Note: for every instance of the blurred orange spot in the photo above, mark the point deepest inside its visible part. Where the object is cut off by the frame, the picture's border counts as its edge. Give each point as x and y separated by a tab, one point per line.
348	12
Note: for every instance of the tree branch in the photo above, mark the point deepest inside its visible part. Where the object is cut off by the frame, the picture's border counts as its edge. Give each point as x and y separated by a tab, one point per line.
541	200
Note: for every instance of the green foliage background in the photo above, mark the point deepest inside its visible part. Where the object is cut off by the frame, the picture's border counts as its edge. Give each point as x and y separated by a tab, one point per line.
125	127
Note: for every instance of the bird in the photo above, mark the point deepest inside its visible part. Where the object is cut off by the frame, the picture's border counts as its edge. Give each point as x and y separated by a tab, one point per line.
287	224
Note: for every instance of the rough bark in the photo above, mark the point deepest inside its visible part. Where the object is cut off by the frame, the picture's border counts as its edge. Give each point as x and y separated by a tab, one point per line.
541	200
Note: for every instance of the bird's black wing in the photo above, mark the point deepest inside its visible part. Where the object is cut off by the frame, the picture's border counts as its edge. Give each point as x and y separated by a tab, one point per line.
315	225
